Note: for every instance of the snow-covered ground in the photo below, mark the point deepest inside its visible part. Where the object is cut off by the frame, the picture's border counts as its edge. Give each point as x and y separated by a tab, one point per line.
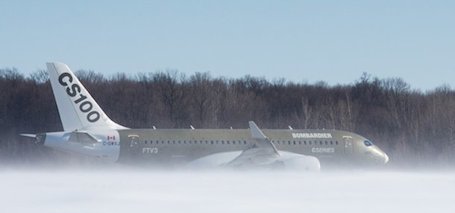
132	191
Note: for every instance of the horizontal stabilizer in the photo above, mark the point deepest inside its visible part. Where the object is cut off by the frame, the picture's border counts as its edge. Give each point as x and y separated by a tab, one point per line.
38	138
28	135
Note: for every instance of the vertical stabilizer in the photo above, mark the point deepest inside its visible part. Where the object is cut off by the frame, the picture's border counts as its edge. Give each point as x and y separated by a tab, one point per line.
77	108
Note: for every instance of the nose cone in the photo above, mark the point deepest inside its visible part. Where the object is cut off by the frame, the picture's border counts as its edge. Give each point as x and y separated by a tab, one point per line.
381	156
377	155
386	158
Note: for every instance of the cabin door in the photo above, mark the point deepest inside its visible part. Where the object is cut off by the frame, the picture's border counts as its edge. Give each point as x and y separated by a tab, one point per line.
134	142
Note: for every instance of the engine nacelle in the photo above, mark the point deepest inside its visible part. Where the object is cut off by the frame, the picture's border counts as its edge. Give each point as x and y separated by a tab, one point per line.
298	162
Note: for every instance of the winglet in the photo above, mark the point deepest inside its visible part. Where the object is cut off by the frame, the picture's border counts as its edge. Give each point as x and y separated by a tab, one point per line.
263	152
256	133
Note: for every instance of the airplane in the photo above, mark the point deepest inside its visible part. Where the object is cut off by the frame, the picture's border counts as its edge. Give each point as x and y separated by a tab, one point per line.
88	131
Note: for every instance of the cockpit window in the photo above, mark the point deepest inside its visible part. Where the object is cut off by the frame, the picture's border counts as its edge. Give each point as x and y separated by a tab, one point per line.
367	143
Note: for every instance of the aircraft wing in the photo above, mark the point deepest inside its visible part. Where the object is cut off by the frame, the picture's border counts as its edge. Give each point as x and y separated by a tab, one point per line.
262	153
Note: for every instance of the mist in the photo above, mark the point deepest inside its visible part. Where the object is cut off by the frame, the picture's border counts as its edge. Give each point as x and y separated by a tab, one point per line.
133	190
414	128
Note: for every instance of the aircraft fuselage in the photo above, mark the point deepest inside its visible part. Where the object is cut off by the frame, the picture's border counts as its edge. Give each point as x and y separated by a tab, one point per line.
89	131
158	146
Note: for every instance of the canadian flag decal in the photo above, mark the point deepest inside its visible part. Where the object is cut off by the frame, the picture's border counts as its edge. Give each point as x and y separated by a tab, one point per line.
110	137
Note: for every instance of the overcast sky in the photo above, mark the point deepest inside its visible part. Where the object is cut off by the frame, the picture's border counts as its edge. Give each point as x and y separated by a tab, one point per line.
302	41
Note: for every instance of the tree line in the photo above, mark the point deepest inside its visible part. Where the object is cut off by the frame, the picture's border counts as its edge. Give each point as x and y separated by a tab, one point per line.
415	128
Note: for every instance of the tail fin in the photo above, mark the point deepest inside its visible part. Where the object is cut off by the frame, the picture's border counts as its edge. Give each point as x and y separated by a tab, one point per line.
78	110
